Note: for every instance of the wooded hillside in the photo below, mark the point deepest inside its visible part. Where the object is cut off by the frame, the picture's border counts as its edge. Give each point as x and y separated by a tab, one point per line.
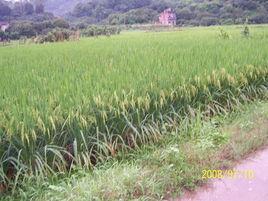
189	12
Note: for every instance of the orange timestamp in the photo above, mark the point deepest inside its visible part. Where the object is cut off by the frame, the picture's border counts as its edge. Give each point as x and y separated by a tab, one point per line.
230	174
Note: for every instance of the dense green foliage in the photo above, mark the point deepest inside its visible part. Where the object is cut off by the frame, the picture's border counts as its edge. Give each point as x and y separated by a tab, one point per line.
61	7
22	10
28	19
81	102
100	30
29	29
189	12
56	35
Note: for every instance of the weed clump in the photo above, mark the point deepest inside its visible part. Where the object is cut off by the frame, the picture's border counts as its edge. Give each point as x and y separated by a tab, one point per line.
245	32
224	34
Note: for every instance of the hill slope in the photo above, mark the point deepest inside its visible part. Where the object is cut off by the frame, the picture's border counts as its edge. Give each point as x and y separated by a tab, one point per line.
61	7
190	12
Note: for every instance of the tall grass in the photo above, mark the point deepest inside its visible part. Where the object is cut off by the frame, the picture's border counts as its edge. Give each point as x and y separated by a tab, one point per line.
80	102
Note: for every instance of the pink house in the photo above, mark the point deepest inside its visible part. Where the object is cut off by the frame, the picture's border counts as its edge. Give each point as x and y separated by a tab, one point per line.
168	17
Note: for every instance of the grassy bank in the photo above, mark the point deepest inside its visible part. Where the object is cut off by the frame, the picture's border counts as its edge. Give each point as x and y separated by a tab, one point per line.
165	169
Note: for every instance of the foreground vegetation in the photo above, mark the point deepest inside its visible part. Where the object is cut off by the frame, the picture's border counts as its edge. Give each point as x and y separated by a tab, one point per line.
163	170
72	105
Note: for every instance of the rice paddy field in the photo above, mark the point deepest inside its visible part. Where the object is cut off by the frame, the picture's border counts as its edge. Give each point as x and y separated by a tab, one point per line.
76	103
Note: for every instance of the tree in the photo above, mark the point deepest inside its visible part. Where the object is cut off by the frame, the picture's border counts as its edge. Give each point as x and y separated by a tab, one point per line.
23	29
17	9
28	8
61	23
81	25
185	14
258	18
138	16
39	8
4	10
206	12
82	10
44	26
114	19
208	21
3	35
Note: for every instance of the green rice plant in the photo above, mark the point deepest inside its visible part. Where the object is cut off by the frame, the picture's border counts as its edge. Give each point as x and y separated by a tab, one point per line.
75	104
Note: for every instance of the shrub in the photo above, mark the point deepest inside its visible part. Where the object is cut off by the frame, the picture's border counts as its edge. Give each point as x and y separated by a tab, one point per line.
56	35
25	28
245	32
60	23
101	30
223	34
3	35
208	21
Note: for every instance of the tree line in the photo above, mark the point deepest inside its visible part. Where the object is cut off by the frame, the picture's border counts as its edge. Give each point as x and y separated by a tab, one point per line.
28	19
9	10
189	12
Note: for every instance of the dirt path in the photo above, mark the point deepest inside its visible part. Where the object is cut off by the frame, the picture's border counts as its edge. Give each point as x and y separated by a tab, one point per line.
240	188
